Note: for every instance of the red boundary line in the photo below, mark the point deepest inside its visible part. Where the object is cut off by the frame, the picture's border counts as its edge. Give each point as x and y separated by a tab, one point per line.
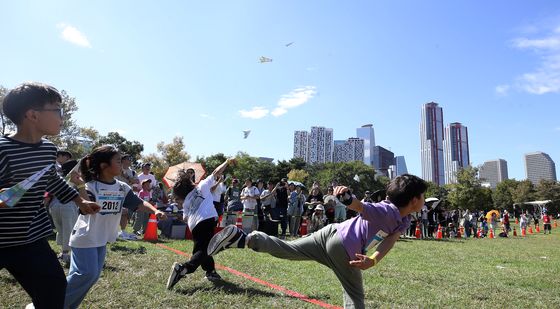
262	282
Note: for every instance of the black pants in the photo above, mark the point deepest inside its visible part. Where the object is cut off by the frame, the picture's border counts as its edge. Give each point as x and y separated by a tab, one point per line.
37	269
202	233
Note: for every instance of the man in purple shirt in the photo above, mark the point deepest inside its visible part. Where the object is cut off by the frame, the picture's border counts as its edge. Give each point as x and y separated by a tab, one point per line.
348	247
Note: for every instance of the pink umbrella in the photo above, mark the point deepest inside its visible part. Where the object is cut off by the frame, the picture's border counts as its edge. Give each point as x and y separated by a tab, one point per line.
172	172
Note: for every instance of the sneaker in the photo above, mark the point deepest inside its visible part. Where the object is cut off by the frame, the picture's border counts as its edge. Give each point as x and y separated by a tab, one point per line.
175	275
127	236
213	276
230	237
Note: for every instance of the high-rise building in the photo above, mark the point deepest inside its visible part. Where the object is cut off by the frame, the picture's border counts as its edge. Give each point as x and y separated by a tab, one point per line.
319	147
350	150
456	150
301	147
386	159
493	172
400	166
539	166
431	143
366	133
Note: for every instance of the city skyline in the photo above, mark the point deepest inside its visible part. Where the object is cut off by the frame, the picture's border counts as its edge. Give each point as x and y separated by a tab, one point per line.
192	69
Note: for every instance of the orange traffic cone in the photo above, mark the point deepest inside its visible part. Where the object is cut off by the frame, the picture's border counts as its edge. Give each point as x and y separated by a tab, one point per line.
491	234
462	229
516	221
555	224
151	229
417	233
530	229
479	234
303	227
538	228
219	226
239	221
524	232
514	232
439	232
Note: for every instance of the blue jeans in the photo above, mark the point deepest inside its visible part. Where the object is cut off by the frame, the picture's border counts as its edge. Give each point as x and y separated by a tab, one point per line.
85	268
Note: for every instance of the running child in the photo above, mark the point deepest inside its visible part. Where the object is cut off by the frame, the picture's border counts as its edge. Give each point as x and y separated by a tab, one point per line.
92	232
344	247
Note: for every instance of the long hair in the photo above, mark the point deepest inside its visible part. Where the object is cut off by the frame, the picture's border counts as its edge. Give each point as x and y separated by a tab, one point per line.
90	165
183	185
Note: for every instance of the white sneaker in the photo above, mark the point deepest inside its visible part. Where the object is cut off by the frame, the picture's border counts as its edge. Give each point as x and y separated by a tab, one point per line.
30	306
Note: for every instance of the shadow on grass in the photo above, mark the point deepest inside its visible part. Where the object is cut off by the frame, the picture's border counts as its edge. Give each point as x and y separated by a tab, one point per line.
227	287
111	268
432	239
127	251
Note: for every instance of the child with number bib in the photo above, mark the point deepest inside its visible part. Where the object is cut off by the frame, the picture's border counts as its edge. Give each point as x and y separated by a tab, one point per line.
91	233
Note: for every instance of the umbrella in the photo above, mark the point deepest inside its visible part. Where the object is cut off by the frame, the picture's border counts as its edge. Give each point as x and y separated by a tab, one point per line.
296	183
489	214
172	171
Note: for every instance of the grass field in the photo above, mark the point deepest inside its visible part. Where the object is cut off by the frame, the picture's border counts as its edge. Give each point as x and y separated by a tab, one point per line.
485	273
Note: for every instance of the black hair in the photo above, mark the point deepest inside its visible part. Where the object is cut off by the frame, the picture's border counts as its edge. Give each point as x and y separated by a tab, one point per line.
67	167
270	182
404	188
183	185
64	153
90	165
28	96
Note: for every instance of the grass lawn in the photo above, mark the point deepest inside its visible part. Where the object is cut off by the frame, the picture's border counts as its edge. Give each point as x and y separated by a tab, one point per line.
488	273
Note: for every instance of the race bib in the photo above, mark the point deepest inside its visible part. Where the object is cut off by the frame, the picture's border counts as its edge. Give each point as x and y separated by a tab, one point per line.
377	238
110	202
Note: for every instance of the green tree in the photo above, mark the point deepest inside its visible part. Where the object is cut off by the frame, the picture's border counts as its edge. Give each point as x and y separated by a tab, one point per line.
211	162
174	152
468	192
6	125
298	175
344	173
523	192
436	191
132	148
503	194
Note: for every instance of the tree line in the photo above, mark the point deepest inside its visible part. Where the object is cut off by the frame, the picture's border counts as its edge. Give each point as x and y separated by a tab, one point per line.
467	193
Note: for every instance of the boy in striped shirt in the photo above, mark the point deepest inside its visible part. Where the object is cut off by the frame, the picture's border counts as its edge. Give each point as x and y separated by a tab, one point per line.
36	111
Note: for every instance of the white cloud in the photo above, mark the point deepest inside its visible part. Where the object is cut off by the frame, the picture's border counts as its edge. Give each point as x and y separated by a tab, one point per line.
279	111
297	97
256	112
545	78
502	90
294	98
73	35
207	116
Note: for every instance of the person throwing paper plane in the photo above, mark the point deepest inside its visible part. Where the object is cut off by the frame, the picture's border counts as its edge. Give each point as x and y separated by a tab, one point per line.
346	248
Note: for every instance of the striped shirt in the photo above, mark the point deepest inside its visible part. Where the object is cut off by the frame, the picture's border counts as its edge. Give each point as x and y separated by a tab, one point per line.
28	221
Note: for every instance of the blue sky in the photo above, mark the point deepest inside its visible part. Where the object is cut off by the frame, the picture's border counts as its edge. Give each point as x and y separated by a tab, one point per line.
153	70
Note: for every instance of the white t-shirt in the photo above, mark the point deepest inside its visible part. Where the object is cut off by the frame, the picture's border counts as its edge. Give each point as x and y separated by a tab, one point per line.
217	193
250	203
98	229
143	176
198	205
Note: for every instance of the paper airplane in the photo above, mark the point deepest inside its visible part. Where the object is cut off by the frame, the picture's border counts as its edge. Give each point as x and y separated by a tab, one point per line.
356	178
246	133
11	196
264	59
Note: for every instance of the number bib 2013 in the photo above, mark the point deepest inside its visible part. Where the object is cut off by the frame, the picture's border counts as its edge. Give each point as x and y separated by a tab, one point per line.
110	202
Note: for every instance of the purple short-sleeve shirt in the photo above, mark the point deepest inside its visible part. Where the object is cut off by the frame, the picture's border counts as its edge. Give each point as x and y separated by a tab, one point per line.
368	229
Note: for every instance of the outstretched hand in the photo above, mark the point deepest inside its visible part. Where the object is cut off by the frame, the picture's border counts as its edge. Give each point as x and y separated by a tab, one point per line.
338	190
362	262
